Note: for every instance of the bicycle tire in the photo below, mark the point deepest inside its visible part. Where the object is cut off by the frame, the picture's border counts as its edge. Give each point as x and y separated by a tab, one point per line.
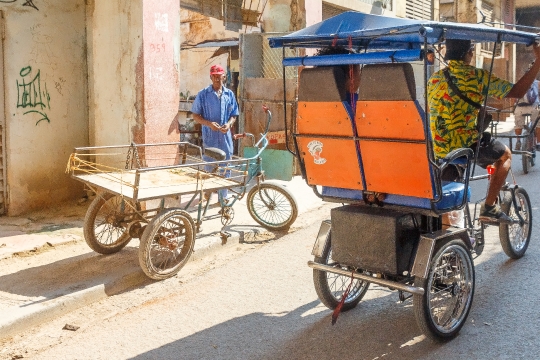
524	157
272	206
104	224
167	244
515	238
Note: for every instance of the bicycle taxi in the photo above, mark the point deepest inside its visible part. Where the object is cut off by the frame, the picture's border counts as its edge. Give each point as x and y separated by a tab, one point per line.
374	155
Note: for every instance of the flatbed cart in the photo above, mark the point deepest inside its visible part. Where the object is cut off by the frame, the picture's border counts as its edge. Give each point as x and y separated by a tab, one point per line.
132	183
374	155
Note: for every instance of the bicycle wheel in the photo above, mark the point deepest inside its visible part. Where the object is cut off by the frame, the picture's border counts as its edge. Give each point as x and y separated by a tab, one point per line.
449	288
515	237
331	287
524	157
533	142
272	206
106	221
166	244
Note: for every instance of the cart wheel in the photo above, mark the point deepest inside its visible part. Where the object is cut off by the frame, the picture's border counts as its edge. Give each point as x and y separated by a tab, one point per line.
272	206
167	244
515	237
330	287
449	288
106	221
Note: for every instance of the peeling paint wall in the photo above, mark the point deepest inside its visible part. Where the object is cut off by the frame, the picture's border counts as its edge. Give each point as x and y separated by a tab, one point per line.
196	62
134	63
115	72
45	90
161	80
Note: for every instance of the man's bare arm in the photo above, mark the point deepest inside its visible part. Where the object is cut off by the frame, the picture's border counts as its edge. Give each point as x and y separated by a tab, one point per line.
523	84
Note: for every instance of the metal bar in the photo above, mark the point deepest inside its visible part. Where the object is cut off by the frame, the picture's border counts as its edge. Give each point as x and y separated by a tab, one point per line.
486	95
359	138
371	279
136	145
382	57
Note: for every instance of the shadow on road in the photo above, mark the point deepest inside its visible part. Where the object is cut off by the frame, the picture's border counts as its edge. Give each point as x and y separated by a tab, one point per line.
71	275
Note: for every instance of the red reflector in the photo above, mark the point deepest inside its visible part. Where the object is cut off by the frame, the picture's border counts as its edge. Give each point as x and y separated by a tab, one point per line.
491	169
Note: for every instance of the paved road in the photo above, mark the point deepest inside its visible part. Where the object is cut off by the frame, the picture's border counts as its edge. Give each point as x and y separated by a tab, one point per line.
257	301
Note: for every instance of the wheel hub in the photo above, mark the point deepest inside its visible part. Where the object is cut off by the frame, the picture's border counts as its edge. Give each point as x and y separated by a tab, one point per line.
164	242
456	289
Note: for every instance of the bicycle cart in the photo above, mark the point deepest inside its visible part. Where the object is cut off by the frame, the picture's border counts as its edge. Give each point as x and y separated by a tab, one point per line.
374	155
133	181
527	138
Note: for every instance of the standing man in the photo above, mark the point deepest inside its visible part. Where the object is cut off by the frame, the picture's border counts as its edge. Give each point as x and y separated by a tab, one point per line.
453	121
216	109
527	106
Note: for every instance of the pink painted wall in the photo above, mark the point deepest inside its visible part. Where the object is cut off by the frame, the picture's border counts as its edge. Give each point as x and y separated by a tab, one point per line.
161	82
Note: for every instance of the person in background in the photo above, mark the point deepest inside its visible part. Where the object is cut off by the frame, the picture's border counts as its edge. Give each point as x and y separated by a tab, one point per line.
527	106
216	109
454	121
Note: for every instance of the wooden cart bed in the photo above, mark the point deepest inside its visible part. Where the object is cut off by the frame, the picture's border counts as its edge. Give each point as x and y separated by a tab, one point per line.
157	183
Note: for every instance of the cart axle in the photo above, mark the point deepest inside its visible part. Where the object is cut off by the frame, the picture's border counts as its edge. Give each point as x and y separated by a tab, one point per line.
370	279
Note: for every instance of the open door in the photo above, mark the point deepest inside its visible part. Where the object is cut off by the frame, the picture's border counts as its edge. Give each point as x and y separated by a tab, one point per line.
261	82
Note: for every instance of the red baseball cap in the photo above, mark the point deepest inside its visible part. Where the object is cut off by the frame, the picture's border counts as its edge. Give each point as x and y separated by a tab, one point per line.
217	70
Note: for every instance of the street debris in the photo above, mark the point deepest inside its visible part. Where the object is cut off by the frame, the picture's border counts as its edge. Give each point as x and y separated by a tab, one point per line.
70	327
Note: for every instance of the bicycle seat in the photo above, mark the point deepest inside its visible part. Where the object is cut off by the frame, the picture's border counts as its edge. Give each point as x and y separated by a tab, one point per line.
215	153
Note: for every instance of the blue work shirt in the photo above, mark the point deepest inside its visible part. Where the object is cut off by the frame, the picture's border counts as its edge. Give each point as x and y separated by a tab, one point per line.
208	105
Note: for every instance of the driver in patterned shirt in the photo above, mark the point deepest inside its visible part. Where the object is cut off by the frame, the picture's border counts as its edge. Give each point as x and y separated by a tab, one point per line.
453	121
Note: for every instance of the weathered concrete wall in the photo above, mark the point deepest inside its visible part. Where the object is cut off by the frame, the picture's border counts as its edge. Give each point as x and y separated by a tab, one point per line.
196	62
161	71
45	99
115	72
134	64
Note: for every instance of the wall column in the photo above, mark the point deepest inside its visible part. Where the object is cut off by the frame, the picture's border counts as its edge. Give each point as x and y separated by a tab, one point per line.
133	61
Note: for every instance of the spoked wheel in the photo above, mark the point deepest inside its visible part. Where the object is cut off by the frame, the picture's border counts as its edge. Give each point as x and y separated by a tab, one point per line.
527	161
443	308
533	143
515	237
272	206
331	287
167	244
106	221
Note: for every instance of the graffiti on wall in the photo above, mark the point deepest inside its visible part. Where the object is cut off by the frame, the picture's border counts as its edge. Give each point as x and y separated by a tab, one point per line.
25	3
31	96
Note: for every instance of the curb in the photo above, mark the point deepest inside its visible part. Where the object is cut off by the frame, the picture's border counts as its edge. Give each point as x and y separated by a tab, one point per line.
21	318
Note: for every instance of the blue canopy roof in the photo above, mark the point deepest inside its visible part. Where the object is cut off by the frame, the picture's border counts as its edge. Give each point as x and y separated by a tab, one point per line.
381	32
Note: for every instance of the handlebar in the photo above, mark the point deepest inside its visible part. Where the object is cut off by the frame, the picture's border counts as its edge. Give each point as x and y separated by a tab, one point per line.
263	141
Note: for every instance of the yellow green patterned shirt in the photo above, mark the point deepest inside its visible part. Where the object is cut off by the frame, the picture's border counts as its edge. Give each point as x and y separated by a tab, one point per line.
452	120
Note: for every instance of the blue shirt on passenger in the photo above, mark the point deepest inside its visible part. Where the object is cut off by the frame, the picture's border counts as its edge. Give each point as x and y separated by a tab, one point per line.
210	107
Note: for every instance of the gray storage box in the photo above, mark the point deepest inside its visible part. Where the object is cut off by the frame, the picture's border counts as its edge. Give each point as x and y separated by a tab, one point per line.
373	239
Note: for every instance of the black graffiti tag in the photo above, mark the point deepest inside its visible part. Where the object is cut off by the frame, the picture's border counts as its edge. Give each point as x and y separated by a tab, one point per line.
31	4
30	95
26	3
